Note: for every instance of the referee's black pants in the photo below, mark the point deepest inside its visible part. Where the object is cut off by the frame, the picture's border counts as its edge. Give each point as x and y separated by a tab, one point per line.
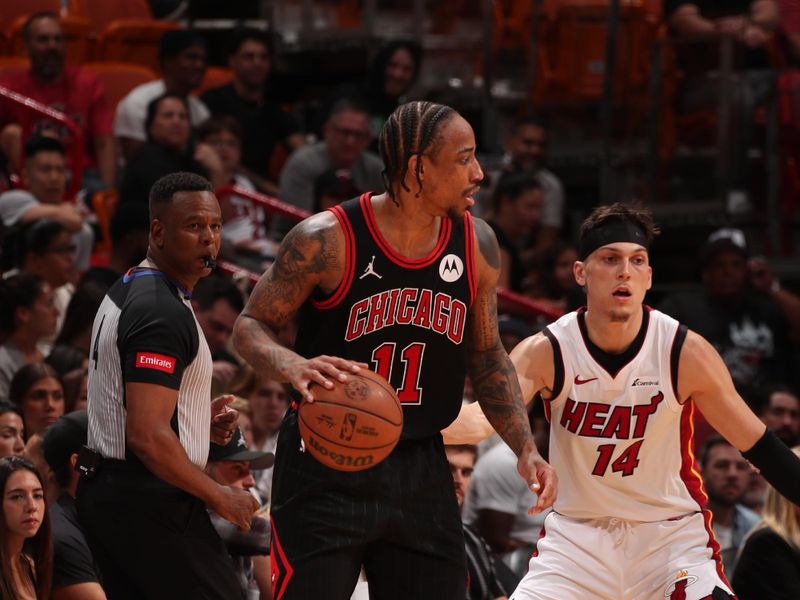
151	540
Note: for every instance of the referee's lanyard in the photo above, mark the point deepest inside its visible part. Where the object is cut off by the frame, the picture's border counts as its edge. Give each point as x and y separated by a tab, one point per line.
136	272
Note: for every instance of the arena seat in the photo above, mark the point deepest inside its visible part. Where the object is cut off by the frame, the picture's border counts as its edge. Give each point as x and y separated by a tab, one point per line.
104	204
13	9
120	78
133	41
101	13
10	65
214	77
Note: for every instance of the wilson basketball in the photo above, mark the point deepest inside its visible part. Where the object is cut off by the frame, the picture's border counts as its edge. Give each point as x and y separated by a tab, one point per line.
353	426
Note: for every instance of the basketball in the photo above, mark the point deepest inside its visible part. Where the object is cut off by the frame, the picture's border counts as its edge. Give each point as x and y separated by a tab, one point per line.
354	425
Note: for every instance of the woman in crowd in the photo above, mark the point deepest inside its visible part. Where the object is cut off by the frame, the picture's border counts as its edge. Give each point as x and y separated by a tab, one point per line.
26	553
769	561
29	316
38	394
552	282
11	431
167	150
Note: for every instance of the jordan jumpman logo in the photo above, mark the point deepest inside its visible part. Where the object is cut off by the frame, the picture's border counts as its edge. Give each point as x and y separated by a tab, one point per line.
370	270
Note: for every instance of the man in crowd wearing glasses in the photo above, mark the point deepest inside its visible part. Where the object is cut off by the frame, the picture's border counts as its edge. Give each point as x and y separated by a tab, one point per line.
346	137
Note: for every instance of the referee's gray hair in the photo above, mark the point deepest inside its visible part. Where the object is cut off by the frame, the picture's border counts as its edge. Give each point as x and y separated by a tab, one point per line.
165	188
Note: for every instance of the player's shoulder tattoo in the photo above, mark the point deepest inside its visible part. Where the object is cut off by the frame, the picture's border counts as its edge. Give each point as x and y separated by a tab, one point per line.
487	243
310	248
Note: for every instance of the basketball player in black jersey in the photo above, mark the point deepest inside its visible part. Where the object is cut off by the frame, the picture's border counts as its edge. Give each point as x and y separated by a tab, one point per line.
402	283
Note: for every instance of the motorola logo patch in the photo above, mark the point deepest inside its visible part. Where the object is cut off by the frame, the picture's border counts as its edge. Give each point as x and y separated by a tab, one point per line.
451	268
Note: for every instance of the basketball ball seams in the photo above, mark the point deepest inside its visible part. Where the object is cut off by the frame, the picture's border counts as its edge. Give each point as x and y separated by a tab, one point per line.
354	425
358	409
342	445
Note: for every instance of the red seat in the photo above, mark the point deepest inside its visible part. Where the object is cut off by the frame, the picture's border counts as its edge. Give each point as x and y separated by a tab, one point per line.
120	78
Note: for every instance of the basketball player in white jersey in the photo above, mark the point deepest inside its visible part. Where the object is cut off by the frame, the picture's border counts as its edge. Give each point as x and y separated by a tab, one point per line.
620	383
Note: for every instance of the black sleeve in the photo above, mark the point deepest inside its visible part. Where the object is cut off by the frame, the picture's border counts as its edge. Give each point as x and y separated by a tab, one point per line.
778	464
767	568
157	337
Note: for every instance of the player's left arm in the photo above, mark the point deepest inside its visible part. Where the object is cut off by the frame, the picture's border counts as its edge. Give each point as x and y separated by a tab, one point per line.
703	377
492	374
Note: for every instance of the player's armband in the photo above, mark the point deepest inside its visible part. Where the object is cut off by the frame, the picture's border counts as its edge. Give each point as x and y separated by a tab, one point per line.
778	464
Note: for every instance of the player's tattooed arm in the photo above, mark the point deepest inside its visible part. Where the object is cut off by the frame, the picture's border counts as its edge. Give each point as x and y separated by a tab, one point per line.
490	369
310	256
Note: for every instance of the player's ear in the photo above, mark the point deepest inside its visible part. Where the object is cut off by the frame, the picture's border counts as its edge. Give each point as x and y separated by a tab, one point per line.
579	272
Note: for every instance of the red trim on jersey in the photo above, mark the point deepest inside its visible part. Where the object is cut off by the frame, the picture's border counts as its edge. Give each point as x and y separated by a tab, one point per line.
694	482
470	249
406	263
277	560
349	263
542	533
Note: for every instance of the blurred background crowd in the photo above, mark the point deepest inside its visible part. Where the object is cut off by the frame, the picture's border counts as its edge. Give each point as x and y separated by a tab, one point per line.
690	107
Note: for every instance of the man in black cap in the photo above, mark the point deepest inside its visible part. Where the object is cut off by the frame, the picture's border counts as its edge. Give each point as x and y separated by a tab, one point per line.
75	574
745	326
231	465
182	54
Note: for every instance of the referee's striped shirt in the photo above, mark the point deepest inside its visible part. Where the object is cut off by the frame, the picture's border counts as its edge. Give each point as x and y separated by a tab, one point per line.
145	331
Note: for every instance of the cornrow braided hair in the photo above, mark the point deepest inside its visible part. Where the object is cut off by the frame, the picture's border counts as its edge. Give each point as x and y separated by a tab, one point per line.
409	130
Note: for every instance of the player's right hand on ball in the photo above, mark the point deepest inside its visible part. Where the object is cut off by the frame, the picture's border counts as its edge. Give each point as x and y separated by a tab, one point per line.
322	370
237	506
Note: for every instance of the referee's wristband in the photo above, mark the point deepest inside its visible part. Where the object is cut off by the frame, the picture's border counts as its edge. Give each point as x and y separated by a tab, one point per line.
778	464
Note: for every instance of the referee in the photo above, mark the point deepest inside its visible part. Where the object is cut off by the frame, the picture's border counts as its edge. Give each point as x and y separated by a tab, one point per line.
143	494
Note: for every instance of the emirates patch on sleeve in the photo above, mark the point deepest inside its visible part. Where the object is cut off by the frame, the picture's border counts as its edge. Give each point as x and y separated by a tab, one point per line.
159	362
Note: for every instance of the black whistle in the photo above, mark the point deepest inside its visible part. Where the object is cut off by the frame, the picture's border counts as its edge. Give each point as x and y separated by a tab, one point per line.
210	262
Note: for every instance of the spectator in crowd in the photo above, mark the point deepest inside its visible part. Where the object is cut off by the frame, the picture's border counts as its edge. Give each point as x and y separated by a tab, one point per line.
130	228
779	408
182	54
71	90
45	248
242	406
526	152
346	136
38	394
333	187
746	327
552	280
217	303
725	476
263	122
769	563
497	504
790	25
481	564
763	279
244	231
268	401
28	316
65	358
516	210
750	24
232	465
166	150
76	390
45	176
151	449
75	572
27	556
77	328
12	431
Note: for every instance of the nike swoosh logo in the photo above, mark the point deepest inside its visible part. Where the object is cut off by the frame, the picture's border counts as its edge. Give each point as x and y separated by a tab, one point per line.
579	381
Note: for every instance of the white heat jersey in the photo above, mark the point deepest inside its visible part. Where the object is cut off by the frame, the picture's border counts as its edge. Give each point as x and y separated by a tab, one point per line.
621	443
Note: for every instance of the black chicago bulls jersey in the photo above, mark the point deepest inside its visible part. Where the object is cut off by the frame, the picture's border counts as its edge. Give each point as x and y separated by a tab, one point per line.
405	318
